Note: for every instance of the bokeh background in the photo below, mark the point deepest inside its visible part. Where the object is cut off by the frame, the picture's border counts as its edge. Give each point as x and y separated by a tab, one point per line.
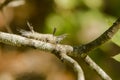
82	20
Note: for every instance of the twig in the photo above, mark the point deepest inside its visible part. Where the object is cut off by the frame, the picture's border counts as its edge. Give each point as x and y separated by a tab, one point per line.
54	30
95	67
107	35
30	27
76	66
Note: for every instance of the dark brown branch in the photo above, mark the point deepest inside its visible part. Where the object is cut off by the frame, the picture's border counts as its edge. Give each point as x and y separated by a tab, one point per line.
107	35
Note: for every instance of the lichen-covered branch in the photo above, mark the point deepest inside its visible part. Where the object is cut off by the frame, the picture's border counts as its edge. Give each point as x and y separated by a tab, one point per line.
16	40
76	66
107	35
79	51
95	67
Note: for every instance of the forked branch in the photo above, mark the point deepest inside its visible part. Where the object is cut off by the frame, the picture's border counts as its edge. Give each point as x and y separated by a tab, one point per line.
17	40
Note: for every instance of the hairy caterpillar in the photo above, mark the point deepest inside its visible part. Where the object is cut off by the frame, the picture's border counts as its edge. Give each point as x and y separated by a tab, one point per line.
42	37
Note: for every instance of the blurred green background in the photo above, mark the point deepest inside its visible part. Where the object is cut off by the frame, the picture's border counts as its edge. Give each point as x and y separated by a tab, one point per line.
82	20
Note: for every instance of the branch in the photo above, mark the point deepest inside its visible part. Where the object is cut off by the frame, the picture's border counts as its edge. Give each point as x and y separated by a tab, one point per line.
107	35
76	66
95	67
16	40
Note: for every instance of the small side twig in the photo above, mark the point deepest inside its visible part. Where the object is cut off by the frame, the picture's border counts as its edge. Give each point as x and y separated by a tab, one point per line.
30	27
96	68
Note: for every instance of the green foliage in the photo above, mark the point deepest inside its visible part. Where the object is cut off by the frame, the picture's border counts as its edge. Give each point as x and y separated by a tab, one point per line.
64	24
94	4
117	57
67	4
116	38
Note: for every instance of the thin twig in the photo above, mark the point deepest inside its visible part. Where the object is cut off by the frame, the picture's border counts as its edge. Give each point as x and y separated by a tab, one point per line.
95	67
30	27
76	66
54	31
